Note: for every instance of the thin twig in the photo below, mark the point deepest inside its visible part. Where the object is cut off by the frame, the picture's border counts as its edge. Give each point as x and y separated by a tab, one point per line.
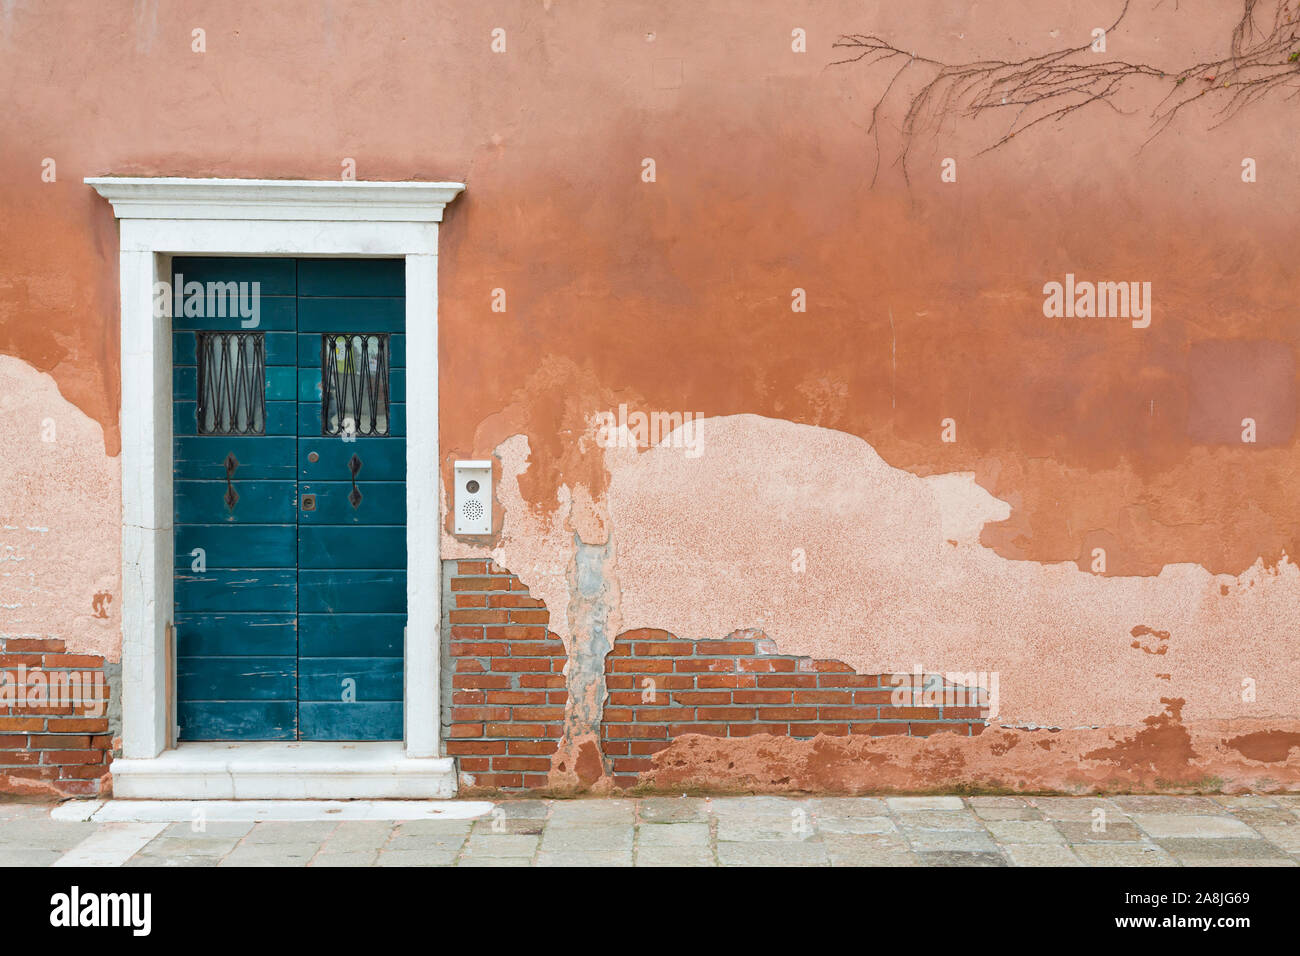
1263	57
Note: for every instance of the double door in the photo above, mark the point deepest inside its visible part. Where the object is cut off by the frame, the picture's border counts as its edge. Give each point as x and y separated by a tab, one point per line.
289	386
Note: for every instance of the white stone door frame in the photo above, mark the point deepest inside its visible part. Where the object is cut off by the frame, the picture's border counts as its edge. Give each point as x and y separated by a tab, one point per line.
165	217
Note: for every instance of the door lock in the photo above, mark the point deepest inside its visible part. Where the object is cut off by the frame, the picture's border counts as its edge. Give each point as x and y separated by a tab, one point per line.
308	502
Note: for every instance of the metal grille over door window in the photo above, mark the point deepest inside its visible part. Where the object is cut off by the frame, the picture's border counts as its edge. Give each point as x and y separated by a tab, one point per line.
231	383
354	384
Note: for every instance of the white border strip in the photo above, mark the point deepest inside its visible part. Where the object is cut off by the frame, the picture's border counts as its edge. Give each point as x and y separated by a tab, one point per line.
162	812
111	845
163	217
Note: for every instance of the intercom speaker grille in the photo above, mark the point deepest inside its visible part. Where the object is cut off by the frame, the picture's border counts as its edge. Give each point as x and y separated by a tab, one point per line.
473	497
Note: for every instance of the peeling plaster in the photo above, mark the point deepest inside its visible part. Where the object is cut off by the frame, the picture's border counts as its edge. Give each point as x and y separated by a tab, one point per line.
704	547
1160	755
896	577
593	617
60	518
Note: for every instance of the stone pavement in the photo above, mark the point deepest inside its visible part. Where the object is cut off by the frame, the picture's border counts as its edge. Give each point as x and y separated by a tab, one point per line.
690	831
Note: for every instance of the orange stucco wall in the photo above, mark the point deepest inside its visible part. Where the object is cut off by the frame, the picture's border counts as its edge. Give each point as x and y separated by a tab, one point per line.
822	431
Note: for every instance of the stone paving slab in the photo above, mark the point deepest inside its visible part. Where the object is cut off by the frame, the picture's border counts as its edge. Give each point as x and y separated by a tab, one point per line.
1038	854
673	810
674	856
870	850
1127	831
1192	825
673	834
1008	832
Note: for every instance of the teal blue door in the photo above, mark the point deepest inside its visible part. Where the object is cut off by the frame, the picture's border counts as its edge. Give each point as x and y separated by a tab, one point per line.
290	499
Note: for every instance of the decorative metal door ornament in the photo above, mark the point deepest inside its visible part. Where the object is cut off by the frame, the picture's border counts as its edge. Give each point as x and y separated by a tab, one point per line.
354	466
232	496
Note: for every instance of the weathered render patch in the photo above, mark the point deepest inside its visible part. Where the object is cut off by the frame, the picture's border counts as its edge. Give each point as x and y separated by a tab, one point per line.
1161	754
811	537
808	534
60	515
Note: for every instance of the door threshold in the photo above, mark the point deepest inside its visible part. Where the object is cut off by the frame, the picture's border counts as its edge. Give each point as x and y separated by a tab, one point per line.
262	770
267	811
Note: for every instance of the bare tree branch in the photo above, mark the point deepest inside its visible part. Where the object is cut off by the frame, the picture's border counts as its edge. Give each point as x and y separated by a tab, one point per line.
1263	57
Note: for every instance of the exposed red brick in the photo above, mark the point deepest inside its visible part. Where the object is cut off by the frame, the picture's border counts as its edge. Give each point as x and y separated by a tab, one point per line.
72	756
513	599
516	697
509	692
736	688
524	616
762	696
58	741
35	645
926	729
475	584
541	764
478	616
459	714
701	697
663	648
87	771
725	680
519	664
539	713
479	649
21	660
73	660
521	632
22	723
725	648
746	730
496	781
541	680
457	748
534	747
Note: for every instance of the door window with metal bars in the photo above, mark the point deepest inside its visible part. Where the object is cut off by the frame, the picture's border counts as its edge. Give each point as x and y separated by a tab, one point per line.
354	384
231	383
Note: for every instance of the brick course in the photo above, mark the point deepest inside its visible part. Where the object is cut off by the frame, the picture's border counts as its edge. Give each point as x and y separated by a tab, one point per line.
506	713
46	748
662	687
